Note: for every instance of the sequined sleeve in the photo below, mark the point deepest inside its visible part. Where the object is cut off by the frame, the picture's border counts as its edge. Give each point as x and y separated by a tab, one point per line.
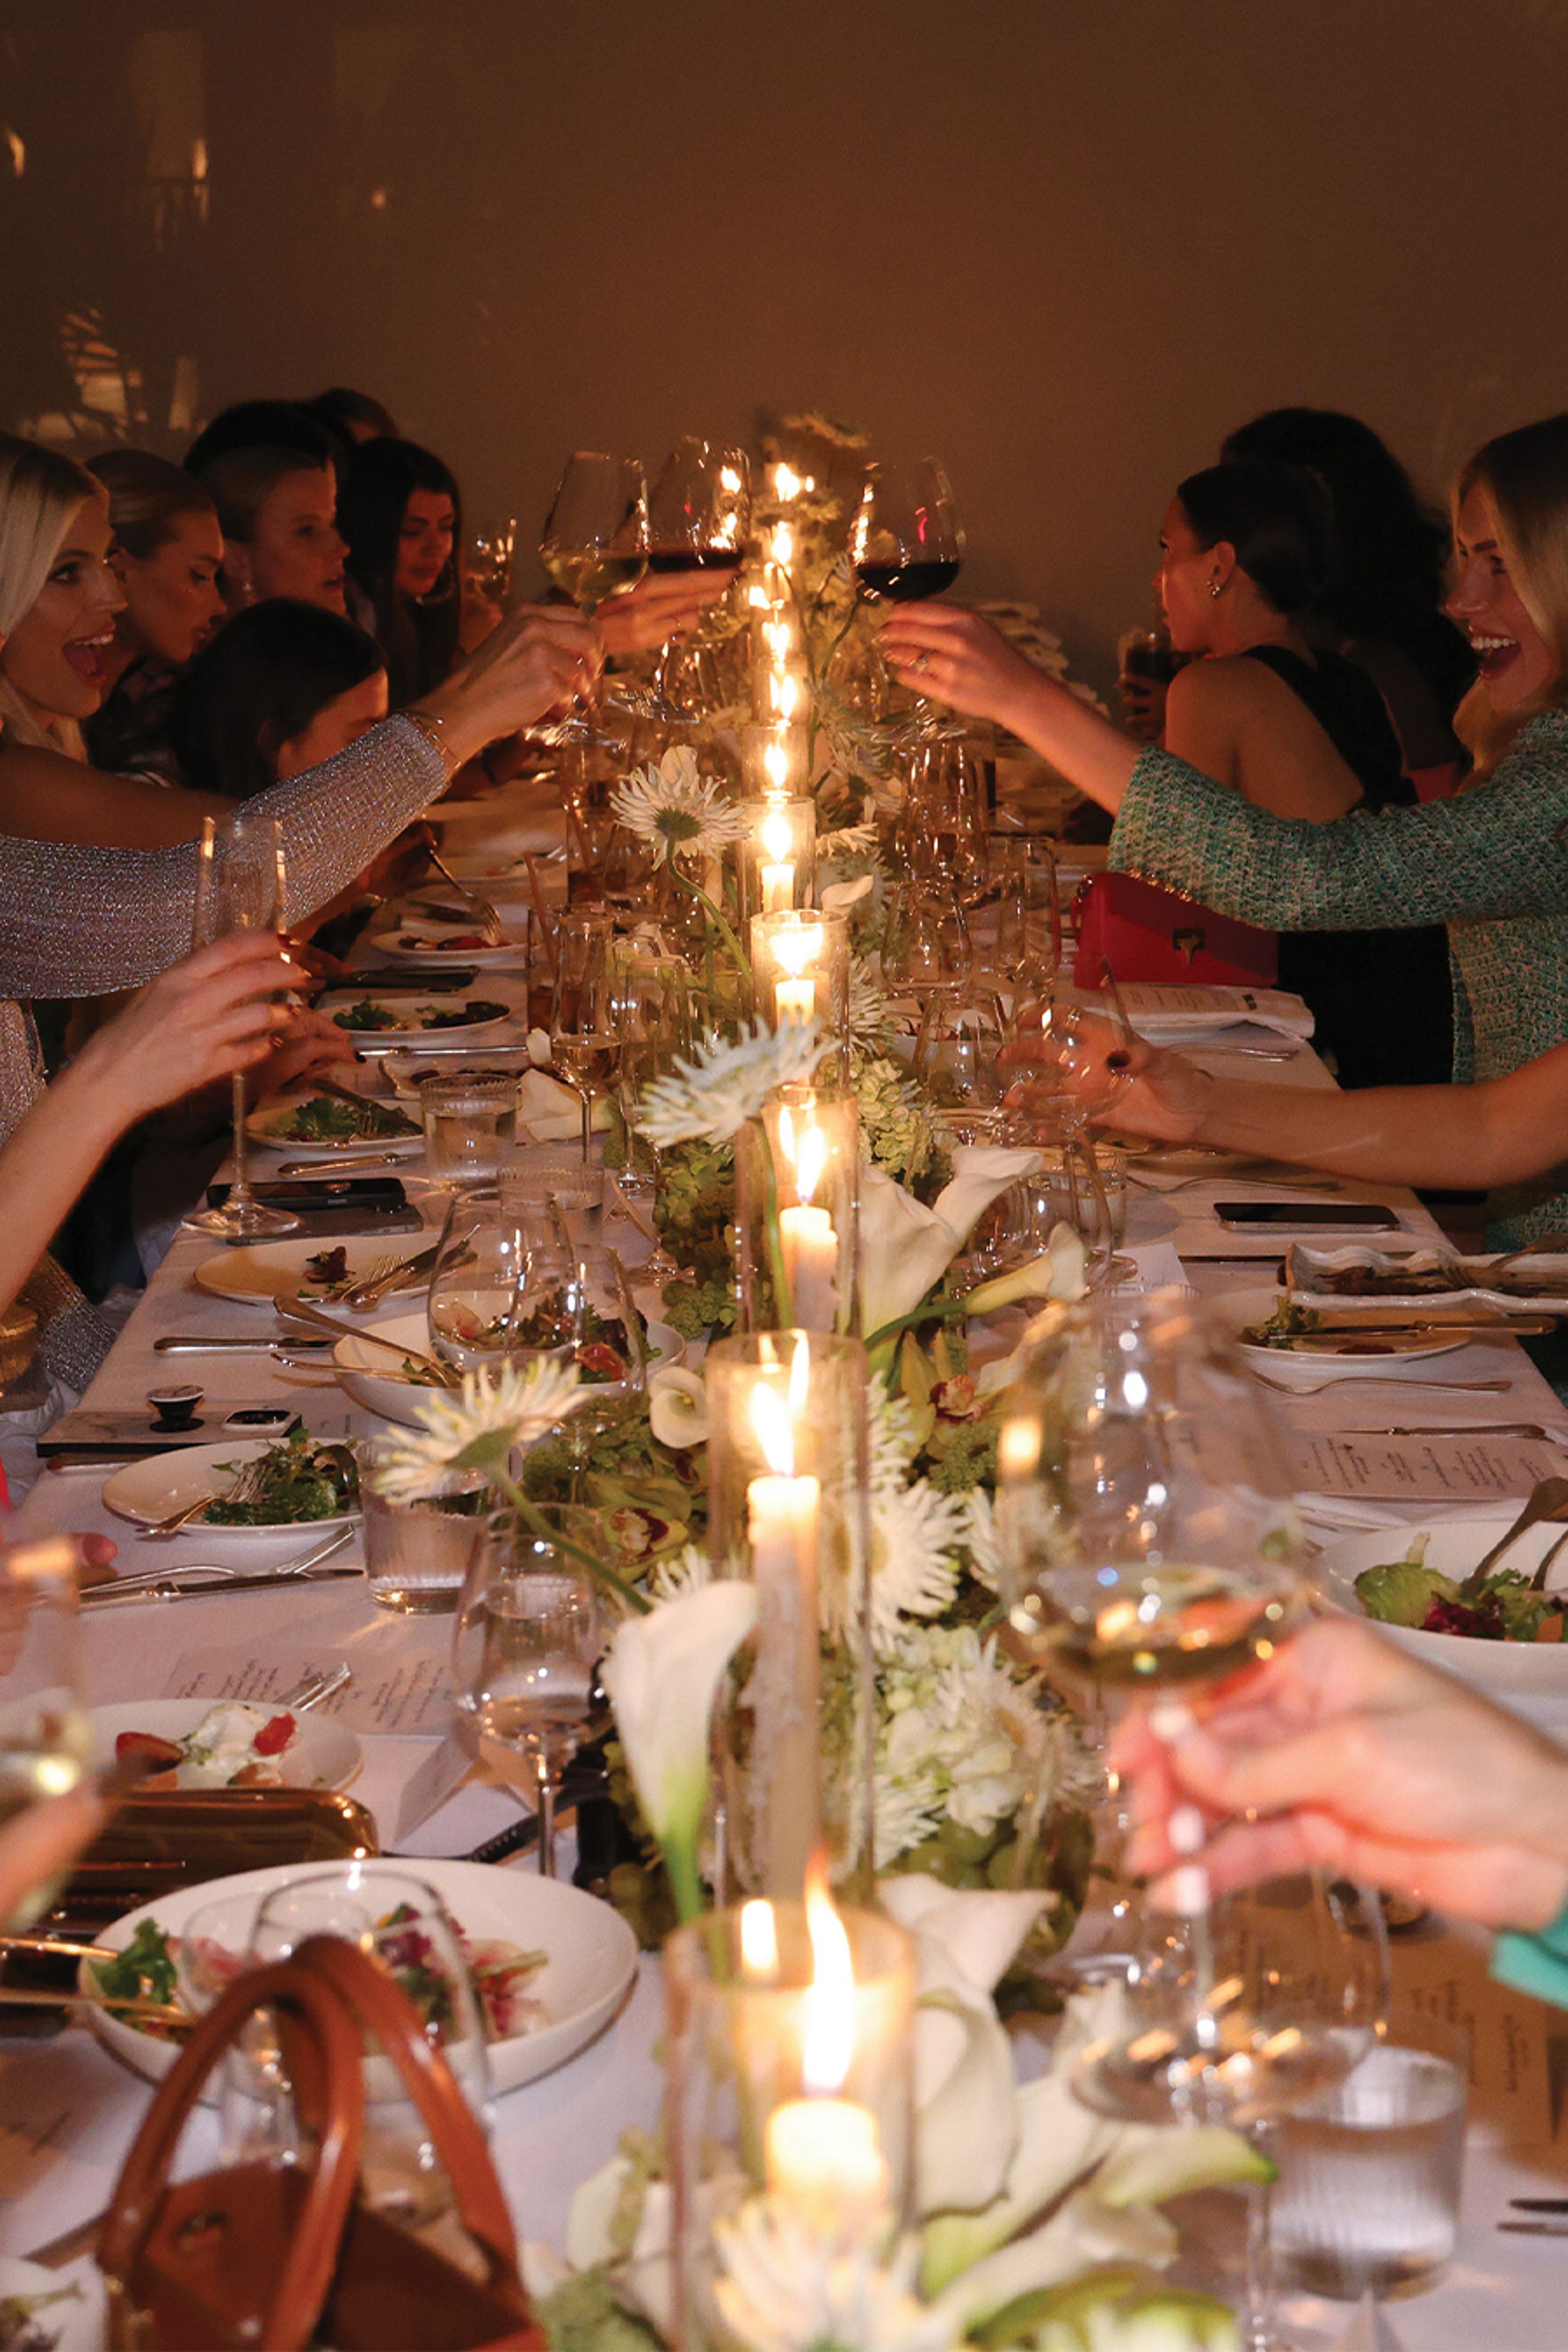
1499	849
76	920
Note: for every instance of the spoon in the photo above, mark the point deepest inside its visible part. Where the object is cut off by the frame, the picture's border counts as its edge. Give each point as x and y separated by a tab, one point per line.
1549	1500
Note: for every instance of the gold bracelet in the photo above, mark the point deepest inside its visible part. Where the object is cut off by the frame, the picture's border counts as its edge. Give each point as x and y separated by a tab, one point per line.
433	726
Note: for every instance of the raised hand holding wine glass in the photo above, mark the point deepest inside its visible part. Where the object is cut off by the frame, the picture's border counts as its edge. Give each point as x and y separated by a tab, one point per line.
240	888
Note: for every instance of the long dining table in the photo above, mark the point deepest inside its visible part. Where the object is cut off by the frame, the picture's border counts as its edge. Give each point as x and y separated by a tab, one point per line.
68	2108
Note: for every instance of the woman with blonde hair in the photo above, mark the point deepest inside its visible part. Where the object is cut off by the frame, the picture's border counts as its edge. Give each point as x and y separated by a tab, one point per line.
97	873
1491	862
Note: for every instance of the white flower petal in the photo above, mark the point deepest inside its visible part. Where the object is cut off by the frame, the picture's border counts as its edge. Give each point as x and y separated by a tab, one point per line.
661	1672
677	1407
709	1097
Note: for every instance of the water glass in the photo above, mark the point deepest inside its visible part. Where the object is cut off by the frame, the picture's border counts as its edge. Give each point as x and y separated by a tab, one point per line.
470	1127
417	1554
1368	2194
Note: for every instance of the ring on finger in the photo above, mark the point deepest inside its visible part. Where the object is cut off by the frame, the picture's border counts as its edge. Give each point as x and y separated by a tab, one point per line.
922	662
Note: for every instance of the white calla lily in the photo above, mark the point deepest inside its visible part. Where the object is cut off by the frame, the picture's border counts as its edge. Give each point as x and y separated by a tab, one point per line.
979	1932
662	1672
1059	1272
906	1248
839	896
677	1407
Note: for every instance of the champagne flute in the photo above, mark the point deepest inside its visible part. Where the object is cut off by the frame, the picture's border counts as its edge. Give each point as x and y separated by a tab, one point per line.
240	888
45	1733
529	1638
582	1018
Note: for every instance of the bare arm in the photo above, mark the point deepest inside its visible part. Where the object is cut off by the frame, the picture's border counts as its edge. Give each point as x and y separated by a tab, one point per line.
956	657
1474	1137
202	1020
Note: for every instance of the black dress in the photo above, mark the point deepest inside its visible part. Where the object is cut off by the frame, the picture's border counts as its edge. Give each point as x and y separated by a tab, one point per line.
1383	1001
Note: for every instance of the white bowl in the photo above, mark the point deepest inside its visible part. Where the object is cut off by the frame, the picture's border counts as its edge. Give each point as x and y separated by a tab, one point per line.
403	1009
593	1954
322	1754
430	955
266	1124
370	1376
1508	1672
162	1484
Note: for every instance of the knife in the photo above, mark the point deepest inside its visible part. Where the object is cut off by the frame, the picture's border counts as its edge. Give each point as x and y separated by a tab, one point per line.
1530	1328
172	1587
193	1343
355	1162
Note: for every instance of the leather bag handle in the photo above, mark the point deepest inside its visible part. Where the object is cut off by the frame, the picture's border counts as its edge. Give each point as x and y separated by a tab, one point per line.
367	1992
326	2069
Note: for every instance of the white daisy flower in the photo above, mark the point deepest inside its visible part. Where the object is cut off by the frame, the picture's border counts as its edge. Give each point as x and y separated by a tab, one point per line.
915	1532
708	1099
984	1541
477	1429
682	813
786	2289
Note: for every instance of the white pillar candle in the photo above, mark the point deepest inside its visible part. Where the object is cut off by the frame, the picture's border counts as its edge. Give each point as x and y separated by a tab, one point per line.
783	1513
823	2161
809	1246
794	1000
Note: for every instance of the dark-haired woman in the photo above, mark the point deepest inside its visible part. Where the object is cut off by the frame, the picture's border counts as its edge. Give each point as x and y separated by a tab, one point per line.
402	514
1302	731
1382	606
284	687
167	554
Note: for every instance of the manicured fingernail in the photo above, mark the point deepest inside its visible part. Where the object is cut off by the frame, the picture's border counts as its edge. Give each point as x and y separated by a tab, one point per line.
1171	1721
1184	1891
1186	1829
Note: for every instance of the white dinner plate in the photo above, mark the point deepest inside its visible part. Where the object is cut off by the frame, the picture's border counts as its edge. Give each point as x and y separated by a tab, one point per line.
165	1483
265	1272
407	1008
1509	1672
1355	1352
370	1376
322	1754
592	1956
267	1123
73	2314
429	955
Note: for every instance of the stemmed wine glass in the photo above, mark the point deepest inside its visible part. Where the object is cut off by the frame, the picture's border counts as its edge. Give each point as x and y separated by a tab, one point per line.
240	888
582	1017
906	542
530	1634
653	1023
595	536
1150	1541
700	512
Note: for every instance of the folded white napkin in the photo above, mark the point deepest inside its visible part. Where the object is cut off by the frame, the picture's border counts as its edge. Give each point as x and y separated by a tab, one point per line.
551	1112
1159	1009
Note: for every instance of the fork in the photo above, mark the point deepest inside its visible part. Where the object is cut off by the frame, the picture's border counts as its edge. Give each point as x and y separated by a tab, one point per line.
1383	1380
391	1274
490	919
175	1520
340	1293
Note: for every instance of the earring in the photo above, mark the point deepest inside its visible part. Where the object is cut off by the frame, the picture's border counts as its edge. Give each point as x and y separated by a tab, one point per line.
1214	587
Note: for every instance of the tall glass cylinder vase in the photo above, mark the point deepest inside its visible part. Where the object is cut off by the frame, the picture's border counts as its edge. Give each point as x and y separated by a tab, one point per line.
776	856
790	2099
787	1482
797	1199
800	968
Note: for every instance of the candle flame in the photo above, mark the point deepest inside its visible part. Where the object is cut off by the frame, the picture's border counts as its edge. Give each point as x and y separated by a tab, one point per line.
787	483
773	1429
828	2045
759	599
784	545
729	479
775	760
785	692
776	826
759	1940
806	1152
799	947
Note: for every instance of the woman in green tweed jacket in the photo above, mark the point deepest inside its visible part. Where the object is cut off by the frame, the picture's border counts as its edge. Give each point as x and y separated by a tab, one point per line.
1491	862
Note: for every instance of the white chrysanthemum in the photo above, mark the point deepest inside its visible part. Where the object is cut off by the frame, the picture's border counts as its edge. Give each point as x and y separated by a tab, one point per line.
984	1543
785	2290
679	1572
847	841
873	1025
708	1099
964	1737
892	1440
492	1413
915	1531
682	813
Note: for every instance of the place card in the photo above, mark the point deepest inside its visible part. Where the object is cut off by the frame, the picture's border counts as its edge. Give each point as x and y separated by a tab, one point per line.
393	1689
1478	1470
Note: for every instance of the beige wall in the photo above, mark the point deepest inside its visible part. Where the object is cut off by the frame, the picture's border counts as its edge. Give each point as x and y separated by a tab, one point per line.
1065	246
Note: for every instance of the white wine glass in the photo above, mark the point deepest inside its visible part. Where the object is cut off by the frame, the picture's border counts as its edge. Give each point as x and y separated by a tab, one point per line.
595	540
698	514
530	1632
581	1013
240	888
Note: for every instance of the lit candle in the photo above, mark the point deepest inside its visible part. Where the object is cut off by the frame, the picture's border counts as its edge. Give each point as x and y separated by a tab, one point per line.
795	1001
824	2158
783	1513
778	870
809	1242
